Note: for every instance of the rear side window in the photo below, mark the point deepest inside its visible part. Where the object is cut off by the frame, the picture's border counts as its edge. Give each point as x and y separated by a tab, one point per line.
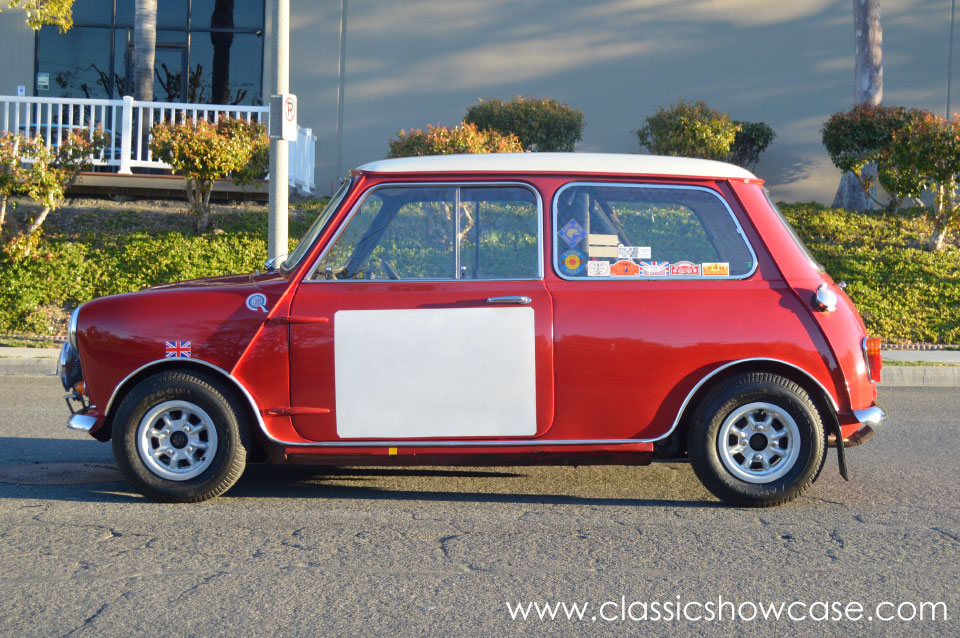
614	231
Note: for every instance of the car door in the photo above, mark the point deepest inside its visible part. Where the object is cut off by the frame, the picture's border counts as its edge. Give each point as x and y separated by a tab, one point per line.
426	316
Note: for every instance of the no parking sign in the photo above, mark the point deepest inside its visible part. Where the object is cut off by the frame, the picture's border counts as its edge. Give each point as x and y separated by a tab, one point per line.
283	117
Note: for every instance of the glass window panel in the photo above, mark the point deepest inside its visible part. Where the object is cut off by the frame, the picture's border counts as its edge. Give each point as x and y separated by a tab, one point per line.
98	12
171	14
226	67
398	233
227	14
75	63
505	220
640	231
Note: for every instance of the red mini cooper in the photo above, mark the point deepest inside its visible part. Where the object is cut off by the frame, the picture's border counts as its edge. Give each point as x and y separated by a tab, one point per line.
548	308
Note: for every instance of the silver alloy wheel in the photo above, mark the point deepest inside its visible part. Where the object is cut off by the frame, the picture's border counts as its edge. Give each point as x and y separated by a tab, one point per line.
177	440
759	442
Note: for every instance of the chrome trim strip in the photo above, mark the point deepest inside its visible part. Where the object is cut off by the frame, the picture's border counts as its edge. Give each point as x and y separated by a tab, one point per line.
308	278
554	242
472	442
874	415
72	328
81	422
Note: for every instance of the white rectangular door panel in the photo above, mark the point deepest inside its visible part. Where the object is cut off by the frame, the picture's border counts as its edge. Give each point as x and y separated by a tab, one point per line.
450	372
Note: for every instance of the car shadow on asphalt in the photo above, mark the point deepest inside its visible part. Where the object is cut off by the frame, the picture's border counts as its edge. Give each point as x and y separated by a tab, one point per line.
319	482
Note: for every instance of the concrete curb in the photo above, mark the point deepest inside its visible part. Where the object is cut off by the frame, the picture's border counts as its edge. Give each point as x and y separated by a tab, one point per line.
34	366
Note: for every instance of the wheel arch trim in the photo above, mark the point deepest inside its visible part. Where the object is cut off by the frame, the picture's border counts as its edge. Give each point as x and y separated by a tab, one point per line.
693	392
181	364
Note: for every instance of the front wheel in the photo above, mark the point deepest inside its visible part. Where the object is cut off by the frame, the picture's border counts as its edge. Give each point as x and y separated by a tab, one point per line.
757	440
180	437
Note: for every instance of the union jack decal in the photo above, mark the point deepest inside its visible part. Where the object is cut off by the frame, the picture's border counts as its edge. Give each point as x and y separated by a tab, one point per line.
177	350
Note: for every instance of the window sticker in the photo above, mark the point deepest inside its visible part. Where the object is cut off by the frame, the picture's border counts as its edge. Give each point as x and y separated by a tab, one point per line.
655	268
598	269
603	245
633	252
572	233
716	269
624	268
685	269
572	262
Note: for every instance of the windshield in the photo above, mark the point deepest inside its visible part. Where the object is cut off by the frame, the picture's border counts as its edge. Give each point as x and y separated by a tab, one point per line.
794	234
318	224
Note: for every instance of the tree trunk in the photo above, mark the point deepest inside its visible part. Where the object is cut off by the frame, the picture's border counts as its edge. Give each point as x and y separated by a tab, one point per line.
38	222
3	212
144	48
222	18
868	88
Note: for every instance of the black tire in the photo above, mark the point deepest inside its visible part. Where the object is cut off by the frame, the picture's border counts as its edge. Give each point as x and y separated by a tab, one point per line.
207	414
740	478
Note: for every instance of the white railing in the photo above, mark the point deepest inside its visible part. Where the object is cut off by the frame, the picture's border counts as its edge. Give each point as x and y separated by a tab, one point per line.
127	124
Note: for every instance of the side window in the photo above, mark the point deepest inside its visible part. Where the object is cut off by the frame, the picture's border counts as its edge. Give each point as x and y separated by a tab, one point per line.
438	232
499	228
647	231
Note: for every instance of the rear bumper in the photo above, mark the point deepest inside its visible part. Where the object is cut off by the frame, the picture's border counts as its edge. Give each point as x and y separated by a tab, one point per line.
873	415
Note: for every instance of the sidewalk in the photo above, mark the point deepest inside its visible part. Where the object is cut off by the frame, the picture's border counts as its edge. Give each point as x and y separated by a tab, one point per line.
43	361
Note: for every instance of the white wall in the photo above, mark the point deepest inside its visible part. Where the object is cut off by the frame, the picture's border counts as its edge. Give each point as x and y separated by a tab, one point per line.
790	64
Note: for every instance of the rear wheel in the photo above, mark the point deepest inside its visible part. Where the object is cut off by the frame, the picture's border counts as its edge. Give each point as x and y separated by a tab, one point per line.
180	437
757	440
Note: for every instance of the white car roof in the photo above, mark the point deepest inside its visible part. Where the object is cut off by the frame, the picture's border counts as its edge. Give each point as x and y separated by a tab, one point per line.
559	163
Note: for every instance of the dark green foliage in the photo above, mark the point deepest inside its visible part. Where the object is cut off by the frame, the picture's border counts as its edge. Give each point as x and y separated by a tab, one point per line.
540	124
752	139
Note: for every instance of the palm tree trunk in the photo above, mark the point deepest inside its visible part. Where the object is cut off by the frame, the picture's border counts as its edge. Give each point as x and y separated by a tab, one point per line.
144	48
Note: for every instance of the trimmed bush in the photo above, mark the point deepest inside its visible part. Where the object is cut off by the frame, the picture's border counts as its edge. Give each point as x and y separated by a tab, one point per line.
752	139
203	152
689	129
864	136
540	124
445	140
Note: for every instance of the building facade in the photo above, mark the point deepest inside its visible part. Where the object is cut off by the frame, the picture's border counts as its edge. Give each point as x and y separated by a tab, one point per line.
412	62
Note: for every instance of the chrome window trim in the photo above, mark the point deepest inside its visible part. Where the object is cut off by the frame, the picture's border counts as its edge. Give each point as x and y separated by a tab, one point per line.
554	243
470	442
308	278
346	185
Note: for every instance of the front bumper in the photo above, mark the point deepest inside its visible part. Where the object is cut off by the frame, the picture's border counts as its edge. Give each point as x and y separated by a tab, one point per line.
81	422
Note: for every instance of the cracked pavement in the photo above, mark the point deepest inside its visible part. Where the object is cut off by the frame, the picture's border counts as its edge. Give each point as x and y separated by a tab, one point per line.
438	551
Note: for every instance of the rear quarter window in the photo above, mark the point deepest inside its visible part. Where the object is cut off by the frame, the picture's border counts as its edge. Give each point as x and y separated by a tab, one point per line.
614	231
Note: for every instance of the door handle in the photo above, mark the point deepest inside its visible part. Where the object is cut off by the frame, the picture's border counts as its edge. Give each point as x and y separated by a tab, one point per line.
514	299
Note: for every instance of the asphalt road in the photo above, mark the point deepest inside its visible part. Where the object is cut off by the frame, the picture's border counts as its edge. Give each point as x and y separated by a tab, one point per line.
372	552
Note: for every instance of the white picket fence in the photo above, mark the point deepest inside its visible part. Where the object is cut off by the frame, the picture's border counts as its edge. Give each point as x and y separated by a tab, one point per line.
127	121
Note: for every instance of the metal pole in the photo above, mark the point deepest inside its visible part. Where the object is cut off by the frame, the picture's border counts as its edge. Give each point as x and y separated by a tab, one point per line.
340	87
953	9
277	245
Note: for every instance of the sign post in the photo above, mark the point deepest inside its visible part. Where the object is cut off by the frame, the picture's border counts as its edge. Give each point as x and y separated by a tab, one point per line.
279	155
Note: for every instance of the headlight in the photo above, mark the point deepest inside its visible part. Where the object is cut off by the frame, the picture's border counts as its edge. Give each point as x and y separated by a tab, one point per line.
72	329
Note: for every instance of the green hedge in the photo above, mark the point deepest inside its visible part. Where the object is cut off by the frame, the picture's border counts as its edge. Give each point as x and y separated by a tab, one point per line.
905	293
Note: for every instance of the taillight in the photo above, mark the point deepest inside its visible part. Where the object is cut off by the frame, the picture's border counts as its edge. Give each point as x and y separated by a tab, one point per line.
871	354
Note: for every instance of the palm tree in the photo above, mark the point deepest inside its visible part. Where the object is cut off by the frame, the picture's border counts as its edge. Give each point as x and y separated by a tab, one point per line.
144	48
